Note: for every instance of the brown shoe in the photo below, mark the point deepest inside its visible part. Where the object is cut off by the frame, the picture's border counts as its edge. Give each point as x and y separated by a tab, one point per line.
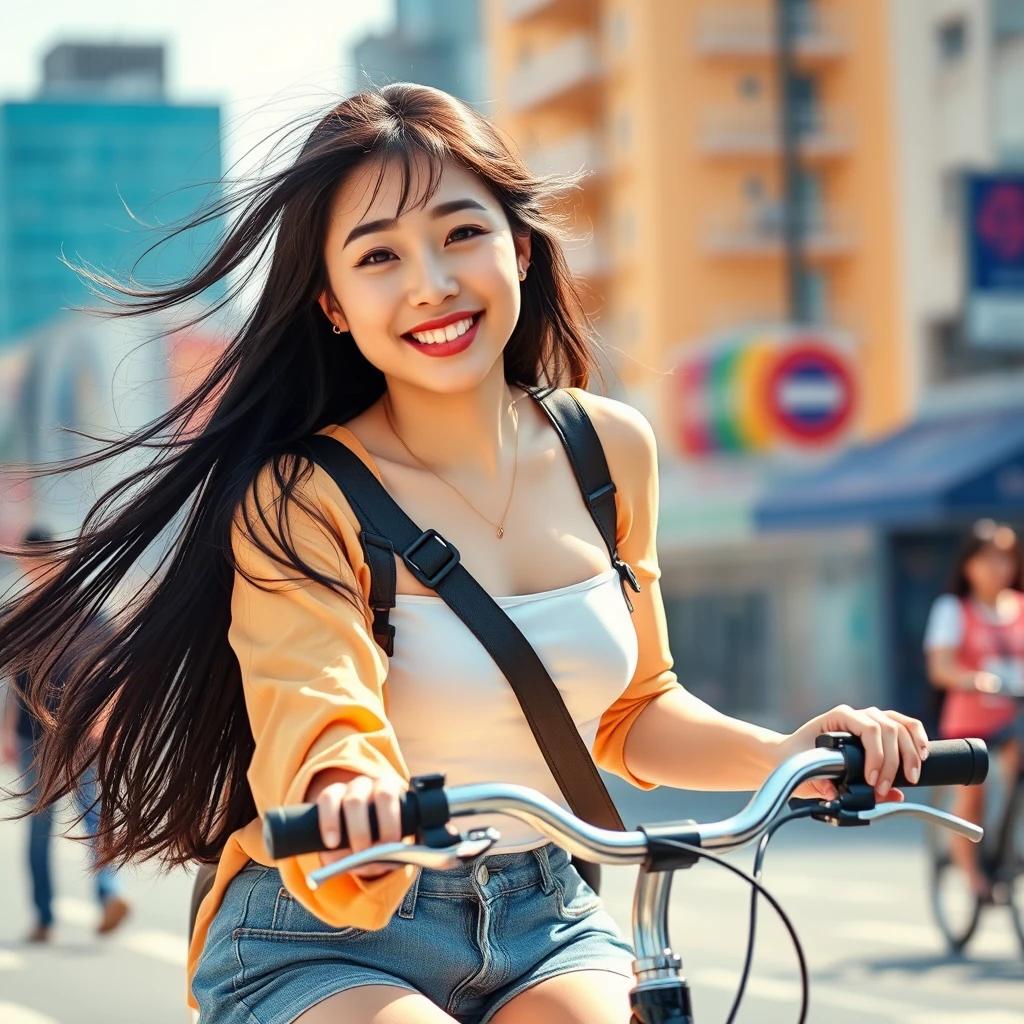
115	910
41	933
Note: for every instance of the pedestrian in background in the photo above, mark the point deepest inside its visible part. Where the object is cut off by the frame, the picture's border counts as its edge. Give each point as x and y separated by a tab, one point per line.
21	746
974	645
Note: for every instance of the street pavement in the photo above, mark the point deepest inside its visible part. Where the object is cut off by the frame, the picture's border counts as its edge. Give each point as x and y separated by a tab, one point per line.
856	896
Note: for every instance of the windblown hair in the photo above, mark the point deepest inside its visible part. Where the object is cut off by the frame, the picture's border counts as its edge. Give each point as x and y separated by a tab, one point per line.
165	690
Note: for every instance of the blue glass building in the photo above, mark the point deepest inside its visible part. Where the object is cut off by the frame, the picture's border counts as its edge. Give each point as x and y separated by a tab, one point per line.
73	162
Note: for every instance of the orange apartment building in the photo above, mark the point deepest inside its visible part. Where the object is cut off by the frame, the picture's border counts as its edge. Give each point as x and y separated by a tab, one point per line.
672	105
673	108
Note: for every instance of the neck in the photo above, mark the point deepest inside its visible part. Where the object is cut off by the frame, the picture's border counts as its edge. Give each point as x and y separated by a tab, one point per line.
466	433
989	598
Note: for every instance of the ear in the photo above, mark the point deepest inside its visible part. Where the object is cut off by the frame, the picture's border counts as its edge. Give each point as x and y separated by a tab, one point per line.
331	309
523	245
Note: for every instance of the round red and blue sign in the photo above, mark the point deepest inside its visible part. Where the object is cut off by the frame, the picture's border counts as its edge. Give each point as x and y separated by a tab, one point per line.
811	394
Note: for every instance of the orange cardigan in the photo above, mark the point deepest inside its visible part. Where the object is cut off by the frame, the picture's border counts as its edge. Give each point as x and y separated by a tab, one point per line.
315	681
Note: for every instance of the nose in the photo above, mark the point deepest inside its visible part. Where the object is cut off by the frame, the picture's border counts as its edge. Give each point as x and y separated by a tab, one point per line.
432	283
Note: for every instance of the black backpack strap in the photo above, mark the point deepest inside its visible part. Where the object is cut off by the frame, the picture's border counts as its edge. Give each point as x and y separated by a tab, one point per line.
586	455
379	553
436	564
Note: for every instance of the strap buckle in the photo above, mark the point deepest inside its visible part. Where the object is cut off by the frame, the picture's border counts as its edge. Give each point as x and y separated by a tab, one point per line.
626	573
607	491
427	578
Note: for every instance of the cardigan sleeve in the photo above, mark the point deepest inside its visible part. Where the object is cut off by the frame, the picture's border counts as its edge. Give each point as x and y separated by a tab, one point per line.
313	677
631	450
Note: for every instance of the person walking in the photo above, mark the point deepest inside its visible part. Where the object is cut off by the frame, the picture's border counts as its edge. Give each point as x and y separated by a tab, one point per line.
974	648
20	744
416	302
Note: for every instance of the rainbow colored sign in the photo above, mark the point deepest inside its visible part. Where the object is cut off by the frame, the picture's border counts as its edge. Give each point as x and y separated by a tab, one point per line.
763	390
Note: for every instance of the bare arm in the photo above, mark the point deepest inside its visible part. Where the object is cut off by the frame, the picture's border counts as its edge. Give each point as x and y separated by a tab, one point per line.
946	673
681	741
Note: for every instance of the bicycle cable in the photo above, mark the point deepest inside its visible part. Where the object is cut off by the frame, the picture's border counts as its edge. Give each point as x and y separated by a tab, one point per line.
758	888
762	848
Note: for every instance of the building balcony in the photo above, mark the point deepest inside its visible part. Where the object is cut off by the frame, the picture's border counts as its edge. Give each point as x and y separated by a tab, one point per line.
733	132
740	317
583	150
728	30
759	231
572	64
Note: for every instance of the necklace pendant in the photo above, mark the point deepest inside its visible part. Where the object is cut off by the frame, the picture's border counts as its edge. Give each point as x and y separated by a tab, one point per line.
501	532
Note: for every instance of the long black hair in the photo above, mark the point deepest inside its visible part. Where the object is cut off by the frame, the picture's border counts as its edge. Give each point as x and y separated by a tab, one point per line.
165	690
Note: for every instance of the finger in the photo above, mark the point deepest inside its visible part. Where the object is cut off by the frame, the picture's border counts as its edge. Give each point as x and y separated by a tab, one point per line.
890	750
869	731
910	754
328	808
917	731
356	806
825	789
387	798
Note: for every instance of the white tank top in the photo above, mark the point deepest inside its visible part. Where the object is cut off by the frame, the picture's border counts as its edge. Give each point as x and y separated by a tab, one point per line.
454	712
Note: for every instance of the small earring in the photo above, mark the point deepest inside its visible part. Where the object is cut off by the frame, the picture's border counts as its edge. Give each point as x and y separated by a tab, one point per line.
522	273
336	329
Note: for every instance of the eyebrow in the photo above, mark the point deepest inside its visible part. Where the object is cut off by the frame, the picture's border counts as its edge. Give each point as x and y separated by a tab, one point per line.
441	210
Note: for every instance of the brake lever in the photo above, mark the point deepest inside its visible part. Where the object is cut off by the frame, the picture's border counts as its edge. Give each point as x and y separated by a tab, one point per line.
465	847
967	829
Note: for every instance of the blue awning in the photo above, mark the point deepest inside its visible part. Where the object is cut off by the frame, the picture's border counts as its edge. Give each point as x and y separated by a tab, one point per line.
932	472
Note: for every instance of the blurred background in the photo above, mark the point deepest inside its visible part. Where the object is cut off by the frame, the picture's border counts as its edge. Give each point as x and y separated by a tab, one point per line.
801	235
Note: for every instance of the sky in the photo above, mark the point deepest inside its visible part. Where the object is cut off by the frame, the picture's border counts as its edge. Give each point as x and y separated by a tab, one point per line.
264	69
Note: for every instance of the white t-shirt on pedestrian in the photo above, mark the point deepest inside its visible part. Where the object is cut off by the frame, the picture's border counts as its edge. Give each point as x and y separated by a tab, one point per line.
946	621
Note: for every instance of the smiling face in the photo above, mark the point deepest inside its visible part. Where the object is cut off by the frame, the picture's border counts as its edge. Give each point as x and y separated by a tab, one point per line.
454	255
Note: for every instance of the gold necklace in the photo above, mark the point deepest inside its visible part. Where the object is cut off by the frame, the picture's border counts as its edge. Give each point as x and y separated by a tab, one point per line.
515	465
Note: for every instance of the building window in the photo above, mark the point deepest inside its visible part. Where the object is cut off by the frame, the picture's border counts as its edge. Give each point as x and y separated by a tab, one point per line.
750	87
803	98
724	640
953	356
952	40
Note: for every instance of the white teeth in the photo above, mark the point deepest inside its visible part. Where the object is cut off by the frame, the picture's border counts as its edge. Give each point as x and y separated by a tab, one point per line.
443	334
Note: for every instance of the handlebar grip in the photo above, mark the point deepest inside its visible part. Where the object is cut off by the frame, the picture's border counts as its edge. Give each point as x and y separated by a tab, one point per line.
289	831
951	763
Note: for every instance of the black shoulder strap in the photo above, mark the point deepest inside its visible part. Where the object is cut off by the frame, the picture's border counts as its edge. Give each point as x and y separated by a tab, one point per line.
436	564
586	455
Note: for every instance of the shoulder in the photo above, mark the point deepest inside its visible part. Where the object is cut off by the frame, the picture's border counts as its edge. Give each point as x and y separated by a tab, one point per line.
945	622
948	605
626	434
290	498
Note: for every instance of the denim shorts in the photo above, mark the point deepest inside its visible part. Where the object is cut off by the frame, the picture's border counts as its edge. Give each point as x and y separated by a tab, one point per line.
470	939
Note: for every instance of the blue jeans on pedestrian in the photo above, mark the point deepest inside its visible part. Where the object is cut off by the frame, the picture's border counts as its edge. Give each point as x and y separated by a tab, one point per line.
40	830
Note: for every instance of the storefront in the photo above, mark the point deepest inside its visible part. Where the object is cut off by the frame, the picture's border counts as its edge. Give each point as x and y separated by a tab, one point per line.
913	494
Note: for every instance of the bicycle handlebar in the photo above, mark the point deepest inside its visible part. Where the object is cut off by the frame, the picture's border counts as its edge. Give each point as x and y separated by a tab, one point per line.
289	831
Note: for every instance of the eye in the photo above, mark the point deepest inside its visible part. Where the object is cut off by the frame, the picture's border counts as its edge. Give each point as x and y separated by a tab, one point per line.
468	227
369	261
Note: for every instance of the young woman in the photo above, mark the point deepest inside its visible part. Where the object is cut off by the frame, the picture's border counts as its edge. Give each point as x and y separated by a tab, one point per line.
246	675
974	644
